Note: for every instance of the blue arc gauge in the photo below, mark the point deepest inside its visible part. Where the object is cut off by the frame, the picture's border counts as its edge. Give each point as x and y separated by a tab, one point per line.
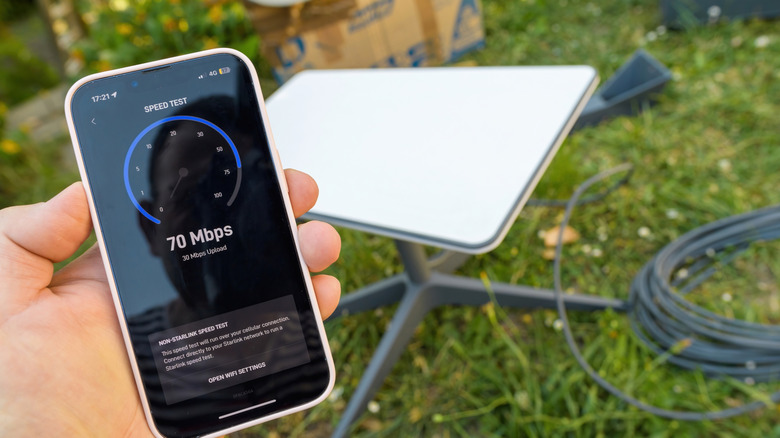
180	162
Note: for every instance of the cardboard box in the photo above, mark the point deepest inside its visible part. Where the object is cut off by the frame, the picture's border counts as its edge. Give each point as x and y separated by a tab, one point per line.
322	34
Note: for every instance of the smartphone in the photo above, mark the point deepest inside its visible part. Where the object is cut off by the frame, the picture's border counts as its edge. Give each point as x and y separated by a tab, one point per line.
190	207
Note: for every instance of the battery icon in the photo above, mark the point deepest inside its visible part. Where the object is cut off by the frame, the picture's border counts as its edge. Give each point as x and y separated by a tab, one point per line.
224	70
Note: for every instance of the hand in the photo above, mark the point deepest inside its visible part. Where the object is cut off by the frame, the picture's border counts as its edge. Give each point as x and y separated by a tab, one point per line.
64	370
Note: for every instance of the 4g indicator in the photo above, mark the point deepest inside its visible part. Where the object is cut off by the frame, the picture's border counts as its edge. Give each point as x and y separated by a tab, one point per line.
181	157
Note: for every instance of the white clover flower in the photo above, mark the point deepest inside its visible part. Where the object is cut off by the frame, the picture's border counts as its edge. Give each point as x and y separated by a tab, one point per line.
762	41
602	234
336	394
714	11
651	36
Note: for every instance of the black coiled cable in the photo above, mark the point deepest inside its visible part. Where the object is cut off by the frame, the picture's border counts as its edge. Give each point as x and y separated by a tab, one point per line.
663	319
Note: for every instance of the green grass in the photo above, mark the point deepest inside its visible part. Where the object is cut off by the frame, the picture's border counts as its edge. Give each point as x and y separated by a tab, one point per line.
708	150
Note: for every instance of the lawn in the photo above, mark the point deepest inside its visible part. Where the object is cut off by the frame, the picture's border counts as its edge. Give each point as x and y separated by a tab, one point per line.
707	150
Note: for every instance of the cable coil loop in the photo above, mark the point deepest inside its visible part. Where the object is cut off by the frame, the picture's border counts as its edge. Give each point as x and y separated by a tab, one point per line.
665	321
662	317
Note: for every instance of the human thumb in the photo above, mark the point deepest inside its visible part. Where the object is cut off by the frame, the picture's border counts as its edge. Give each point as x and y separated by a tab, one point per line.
51	230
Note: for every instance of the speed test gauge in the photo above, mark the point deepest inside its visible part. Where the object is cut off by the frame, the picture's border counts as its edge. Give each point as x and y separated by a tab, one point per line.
185	157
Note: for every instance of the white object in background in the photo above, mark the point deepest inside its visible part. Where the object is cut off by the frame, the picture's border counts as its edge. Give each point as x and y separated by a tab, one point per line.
440	156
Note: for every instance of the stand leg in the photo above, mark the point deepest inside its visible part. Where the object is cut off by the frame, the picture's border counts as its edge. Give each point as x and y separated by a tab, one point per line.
409	314
381	293
451	289
426	289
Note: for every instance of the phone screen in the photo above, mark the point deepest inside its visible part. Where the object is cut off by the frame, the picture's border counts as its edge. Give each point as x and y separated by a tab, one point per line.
201	247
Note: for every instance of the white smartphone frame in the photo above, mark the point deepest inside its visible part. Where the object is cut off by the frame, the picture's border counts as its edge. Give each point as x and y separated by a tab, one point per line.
285	195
